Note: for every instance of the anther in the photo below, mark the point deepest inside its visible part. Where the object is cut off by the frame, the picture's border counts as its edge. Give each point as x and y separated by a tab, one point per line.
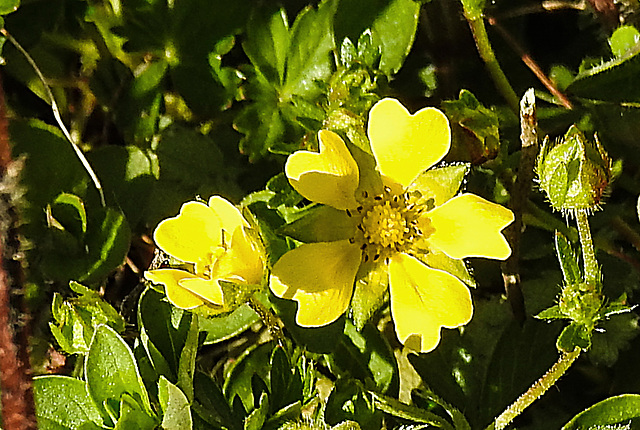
365	194
359	208
366	257
387	189
363	246
375	257
348	212
352	240
360	228
378	198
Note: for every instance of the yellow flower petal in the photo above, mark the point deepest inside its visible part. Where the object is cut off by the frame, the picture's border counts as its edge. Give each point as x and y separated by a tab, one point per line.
229	215
320	277
329	177
191	235
405	145
177	295
423	300
241	263
470	226
207	289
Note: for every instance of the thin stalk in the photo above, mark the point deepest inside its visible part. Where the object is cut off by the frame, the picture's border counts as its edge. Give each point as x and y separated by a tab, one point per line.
536	391
268	318
476	23
56	114
591	270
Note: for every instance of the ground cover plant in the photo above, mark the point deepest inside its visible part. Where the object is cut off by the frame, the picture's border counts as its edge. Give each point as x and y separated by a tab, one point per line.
337	214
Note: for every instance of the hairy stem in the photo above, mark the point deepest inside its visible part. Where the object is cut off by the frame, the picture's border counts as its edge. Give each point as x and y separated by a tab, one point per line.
591	269
268	318
476	23
536	391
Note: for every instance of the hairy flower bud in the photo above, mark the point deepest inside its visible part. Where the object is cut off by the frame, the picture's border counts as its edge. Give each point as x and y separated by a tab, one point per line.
574	172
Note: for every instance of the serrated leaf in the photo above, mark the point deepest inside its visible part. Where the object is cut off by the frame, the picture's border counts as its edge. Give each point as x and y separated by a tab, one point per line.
267	42
62	403
257	417
308	57
392	24
253	362
211	405
623	409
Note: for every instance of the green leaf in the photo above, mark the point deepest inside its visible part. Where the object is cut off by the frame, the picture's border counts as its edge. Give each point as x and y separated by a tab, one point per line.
612	81
163	331
623	409
8	6
190	164
211	405
349	401
614	334
366	356
187	363
624	40
267	42
111	371
62	403
257	417
77	318
285	382
392	23
128	176
237	381
68	210
475	129
222	328
176	414
321	223
309	55
393	407
132	416
107	244
568	260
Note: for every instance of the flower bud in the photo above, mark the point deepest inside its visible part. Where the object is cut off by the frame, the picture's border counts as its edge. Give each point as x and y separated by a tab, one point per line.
574	172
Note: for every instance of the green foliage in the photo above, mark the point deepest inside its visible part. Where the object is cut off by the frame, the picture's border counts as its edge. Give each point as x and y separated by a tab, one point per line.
175	101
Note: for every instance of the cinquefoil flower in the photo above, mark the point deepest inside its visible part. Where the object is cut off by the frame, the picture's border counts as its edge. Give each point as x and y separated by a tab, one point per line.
395	215
212	239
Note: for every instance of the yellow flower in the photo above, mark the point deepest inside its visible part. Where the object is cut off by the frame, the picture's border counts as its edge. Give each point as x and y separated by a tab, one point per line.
399	217
213	239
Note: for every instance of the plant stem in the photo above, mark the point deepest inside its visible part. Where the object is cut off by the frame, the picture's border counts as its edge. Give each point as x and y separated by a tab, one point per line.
591	270
476	23
537	390
268	318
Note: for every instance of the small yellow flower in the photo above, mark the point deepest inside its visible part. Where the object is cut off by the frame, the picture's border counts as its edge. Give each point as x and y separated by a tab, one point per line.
213	239
398	217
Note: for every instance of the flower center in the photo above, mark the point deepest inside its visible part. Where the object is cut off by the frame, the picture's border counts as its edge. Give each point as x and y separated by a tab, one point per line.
391	223
385	225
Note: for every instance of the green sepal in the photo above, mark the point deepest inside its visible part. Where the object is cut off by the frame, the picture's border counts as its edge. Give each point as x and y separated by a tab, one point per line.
234	295
620	306
321	223
458	268
475	129
369	292
568	260
551	313
441	183
575	335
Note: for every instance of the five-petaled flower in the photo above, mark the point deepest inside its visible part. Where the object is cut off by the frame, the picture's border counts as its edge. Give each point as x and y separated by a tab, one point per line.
212	239
394	217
